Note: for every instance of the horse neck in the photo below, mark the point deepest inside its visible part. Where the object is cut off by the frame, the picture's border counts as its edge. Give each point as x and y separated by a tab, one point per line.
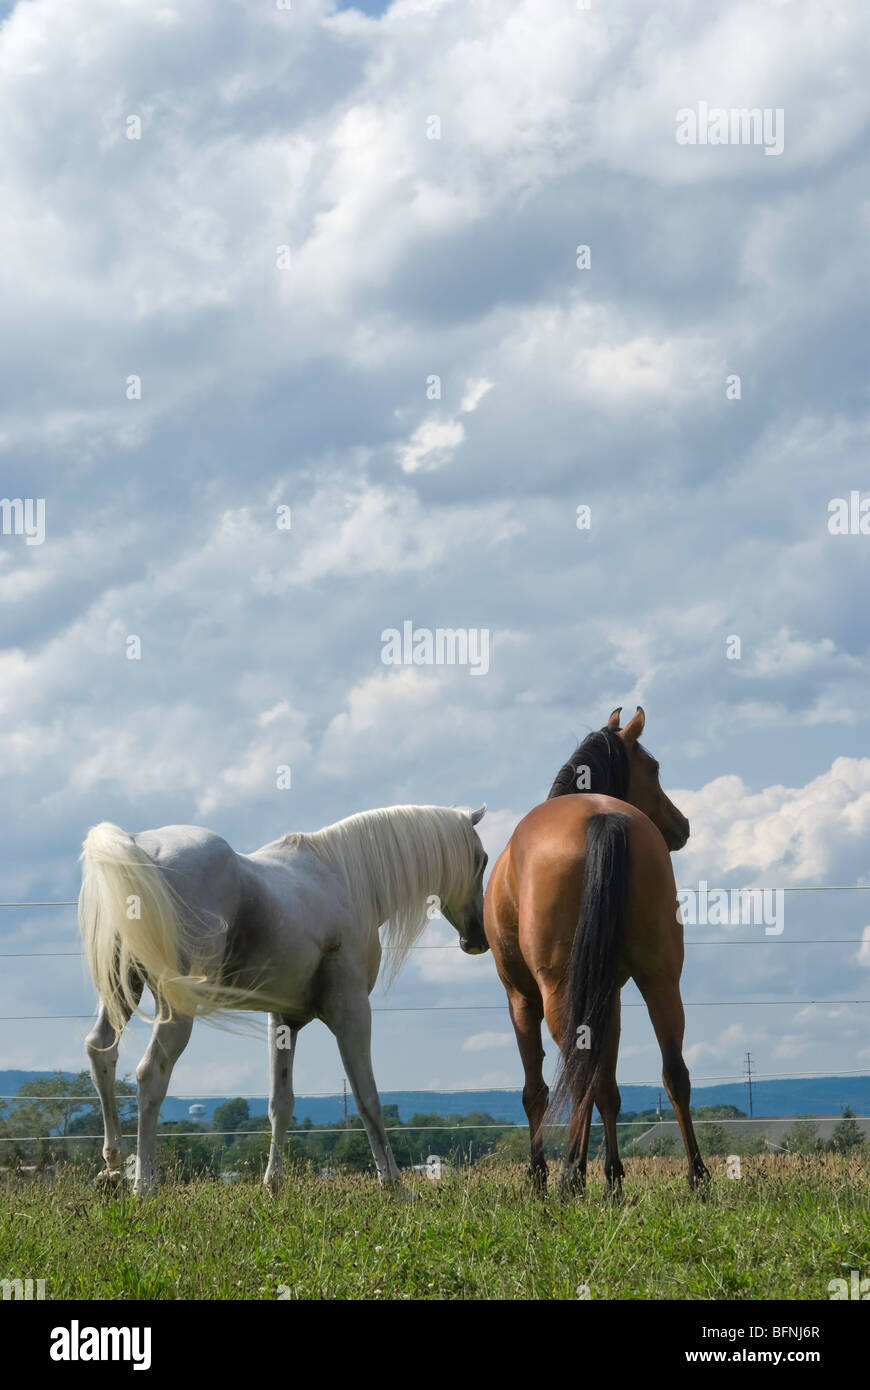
609	774
373	840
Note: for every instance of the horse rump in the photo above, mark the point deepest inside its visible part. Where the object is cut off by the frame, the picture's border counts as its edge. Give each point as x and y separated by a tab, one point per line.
135	928
592	970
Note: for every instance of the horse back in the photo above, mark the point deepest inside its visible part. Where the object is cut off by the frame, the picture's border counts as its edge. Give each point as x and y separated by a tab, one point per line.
537	889
199	865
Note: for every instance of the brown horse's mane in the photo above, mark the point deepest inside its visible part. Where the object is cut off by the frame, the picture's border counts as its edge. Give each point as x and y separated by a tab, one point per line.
603	752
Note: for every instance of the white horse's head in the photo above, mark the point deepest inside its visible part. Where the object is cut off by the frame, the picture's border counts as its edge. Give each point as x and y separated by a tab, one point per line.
467	917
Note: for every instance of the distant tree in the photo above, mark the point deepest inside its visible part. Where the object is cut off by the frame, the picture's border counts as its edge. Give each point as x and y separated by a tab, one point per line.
747	1144
182	1155
353	1151
233	1114
511	1146
662	1147
717	1112
803	1137
474	1135
249	1152
847	1136
715	1139
48	1106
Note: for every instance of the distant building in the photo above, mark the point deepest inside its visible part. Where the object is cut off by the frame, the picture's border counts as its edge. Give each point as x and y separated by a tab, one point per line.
772	1131
434	1167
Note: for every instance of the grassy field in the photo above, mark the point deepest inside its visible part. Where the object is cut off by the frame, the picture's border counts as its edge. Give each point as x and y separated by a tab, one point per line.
783	1230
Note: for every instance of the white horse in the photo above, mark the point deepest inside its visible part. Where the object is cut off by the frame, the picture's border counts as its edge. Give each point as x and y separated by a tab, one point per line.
291	929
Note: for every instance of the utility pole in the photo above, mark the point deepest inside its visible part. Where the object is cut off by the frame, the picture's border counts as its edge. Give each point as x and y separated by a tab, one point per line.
749	1079
344	1087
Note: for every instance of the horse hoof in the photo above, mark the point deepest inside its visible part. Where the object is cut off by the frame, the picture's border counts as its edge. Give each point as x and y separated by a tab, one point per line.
570	1189
699	1181
109	1177
538	1179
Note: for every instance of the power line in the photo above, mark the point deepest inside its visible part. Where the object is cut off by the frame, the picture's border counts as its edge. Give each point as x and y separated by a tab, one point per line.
790	888
477	1008
737	941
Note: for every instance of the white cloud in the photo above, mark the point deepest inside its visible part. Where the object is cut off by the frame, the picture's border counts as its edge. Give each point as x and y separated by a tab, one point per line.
788	835
432	445
399	712
474	394
786	654
482	1042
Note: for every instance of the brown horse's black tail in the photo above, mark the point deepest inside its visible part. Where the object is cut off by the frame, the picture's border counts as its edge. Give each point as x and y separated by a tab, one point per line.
592	972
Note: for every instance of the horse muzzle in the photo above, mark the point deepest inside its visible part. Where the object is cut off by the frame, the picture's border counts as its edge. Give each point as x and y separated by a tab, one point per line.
677	835
475	945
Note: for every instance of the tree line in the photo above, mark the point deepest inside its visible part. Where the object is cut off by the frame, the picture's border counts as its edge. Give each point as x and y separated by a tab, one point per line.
234	1141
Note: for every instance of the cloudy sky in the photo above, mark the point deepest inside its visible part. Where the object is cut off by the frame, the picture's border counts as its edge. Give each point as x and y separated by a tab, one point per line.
240	244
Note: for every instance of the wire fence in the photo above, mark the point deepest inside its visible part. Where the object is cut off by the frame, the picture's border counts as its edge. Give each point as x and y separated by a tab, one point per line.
471	1008
315	1130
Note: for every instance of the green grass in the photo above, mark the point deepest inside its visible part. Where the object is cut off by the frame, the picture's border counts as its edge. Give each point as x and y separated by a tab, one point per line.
783	1230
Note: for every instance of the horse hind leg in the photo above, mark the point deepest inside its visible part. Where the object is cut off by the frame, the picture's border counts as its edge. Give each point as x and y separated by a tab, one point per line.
573	1180
168	1041
608	1101
668	1019
101	1045
526	1019
574	1173
281	1053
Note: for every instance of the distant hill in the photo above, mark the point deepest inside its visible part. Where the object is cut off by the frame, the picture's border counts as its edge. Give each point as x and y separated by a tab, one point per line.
816	1095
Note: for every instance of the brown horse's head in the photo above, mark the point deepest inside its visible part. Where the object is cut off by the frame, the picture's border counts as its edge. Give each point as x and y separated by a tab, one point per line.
613	763
644	788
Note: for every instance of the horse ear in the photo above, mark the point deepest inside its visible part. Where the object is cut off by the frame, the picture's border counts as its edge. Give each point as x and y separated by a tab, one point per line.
634	728
478	815
613	721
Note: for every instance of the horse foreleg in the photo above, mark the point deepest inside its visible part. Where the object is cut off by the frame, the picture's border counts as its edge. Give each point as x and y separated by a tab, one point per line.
350	1019
281	1053
526	1018
168	1041
668	1019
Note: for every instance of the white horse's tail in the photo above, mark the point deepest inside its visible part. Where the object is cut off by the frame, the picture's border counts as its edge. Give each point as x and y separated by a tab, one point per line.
136	928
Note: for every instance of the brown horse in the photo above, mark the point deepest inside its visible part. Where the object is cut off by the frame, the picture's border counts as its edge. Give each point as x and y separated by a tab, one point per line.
582	899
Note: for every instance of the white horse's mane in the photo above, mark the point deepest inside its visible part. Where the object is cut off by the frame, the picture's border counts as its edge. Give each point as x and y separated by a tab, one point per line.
394	859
